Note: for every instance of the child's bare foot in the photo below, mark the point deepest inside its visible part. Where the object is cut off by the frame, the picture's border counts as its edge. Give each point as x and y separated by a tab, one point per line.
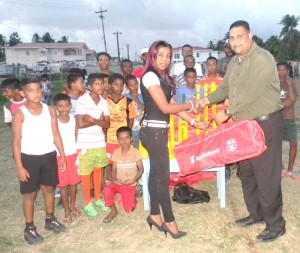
109	218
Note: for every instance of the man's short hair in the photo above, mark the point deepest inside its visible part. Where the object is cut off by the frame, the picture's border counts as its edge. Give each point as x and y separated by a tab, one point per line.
103	53
283	63
73	77
25	81
212	58
189	57
242	23
189	70
124	61
187	45
11	84
61	97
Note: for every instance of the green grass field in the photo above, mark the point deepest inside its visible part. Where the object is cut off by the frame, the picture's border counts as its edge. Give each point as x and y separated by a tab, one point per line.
210	228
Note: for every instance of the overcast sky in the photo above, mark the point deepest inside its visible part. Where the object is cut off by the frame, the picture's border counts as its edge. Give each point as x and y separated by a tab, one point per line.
141	22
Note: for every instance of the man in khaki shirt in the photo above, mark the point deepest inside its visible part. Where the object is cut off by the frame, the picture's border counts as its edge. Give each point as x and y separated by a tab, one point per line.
252	85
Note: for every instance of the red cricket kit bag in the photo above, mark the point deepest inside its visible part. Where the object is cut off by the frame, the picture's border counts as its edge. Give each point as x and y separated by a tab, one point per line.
230	142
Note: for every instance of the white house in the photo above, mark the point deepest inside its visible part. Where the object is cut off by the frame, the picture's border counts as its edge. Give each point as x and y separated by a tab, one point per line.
200	54
32	53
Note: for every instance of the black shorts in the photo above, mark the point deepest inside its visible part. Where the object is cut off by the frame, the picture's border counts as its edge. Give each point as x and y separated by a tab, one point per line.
42	170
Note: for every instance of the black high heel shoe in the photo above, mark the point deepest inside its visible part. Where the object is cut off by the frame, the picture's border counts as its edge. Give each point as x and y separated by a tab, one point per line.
174	236
152	222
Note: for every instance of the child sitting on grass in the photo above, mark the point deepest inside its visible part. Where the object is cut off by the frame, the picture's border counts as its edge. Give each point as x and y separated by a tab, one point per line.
10	89
127	168
69	178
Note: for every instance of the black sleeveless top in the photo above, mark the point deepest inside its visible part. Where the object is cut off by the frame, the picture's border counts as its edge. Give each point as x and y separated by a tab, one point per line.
152	112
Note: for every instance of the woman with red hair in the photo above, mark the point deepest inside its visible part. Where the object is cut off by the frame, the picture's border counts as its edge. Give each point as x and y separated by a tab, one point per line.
157	89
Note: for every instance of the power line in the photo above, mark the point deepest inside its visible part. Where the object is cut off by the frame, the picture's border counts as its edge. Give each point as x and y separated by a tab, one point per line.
117	34
102	17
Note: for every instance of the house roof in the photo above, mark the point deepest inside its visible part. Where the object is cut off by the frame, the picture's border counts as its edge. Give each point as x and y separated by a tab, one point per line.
194	48
50	45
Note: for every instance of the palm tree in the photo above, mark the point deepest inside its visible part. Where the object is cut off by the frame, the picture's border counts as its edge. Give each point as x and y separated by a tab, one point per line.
259	41
291	37
211	45
273	46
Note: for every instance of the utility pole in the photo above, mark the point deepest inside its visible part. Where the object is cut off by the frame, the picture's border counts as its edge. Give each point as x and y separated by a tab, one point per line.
102	17
127	45
117	34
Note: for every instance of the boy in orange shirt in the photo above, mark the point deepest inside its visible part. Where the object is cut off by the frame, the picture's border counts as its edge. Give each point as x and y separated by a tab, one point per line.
122	113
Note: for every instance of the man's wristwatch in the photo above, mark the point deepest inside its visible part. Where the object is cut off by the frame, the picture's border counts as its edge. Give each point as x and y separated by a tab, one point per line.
227	113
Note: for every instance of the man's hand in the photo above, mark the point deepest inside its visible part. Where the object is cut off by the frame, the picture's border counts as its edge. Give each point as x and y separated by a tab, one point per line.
201	125
23	175
220	117
201	103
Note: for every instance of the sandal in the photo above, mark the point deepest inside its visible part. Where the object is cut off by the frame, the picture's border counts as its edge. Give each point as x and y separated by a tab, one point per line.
76	213
67	219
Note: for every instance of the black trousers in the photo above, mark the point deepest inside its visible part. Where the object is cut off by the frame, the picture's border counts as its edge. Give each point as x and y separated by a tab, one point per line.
155	141
261	177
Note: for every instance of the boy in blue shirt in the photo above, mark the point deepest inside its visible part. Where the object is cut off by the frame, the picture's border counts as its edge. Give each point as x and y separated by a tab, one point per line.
184	94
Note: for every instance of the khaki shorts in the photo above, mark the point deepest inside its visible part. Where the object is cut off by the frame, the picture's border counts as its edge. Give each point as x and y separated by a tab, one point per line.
289	130
92	158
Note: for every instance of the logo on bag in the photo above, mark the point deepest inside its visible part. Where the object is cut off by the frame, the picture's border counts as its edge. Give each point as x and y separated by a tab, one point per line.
193	159
231	145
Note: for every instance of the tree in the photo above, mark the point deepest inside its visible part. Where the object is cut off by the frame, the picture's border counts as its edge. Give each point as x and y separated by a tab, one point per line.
273	45
259	41
211	45
64	39
14	39
3	43
220	45
226	36
47	38
291	37
36	38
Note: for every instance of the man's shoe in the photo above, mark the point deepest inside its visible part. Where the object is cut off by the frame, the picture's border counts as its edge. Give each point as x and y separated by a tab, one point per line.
269	236
247	221
101	204
32	236
53	224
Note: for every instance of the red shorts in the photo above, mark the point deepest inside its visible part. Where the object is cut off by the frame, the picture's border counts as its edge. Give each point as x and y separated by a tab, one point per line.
127	194
70	176
110	148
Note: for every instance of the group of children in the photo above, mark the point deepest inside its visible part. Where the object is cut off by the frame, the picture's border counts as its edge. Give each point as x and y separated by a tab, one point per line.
90	129
86	129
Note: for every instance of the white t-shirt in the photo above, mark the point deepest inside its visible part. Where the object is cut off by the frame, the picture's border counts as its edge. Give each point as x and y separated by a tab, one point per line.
150	78
179	68
37	136
93	136
67	132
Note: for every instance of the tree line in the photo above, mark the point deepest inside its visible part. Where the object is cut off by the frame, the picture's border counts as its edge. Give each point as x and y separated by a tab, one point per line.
286	46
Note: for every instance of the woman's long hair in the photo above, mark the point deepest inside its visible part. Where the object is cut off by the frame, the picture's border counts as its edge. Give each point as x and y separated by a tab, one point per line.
151	58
